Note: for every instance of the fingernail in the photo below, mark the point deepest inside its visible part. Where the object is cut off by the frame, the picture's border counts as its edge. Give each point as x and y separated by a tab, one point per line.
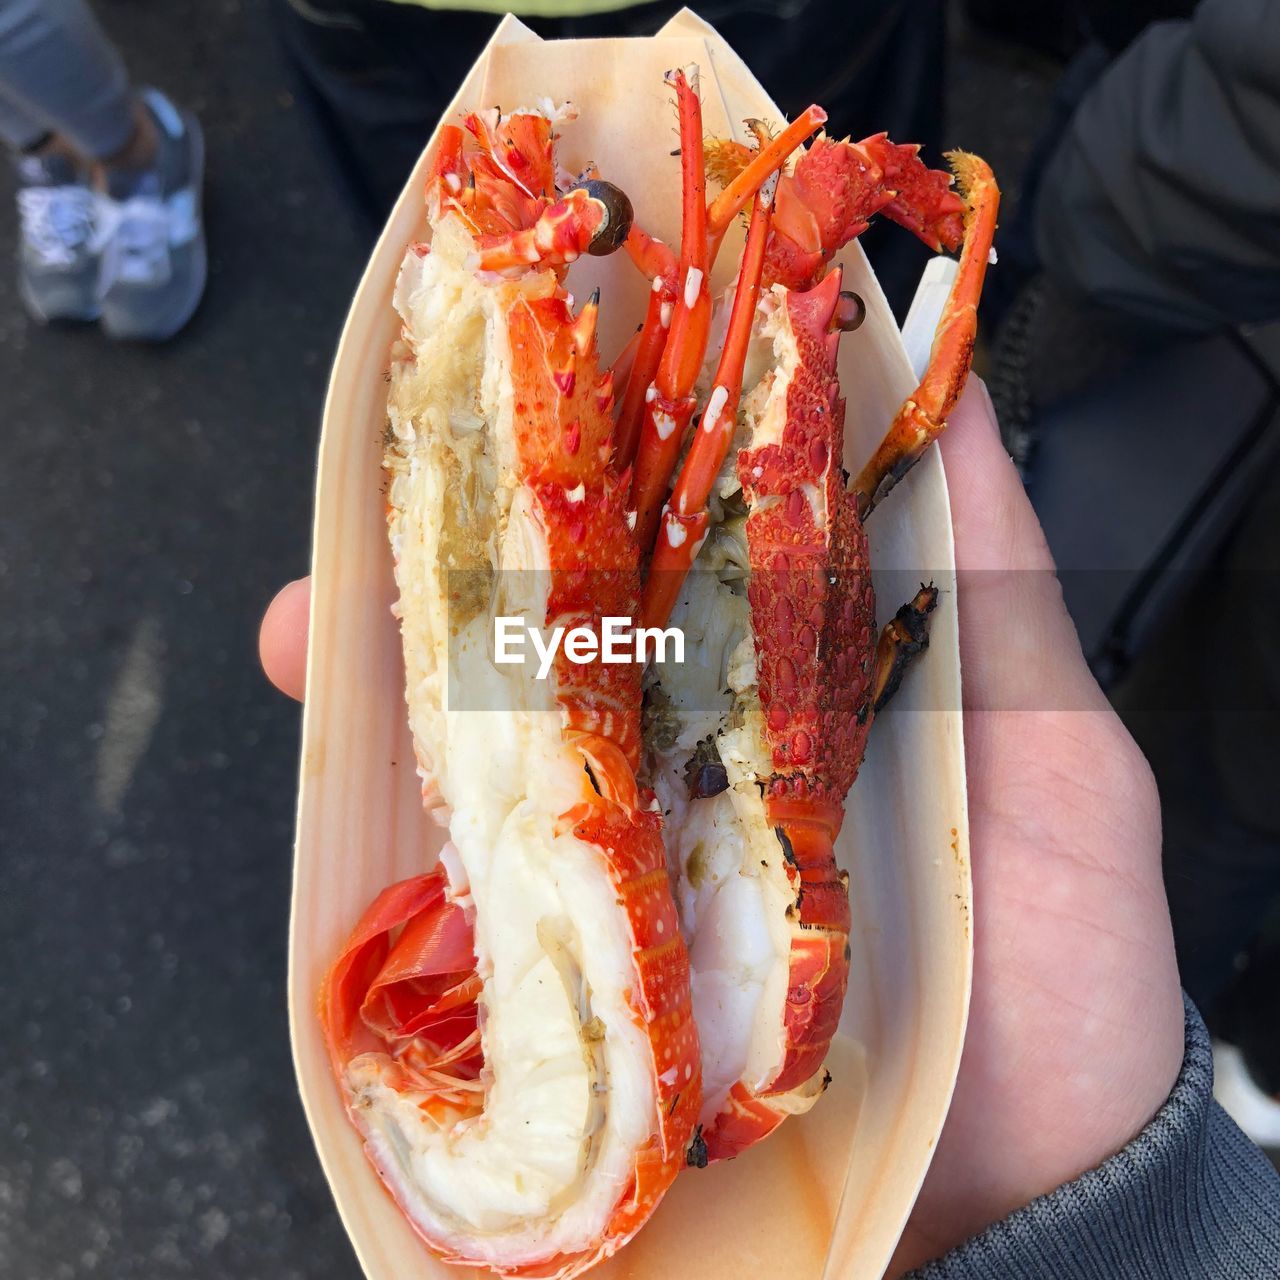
986	398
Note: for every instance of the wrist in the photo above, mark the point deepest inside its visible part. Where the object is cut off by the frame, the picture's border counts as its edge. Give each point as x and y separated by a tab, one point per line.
1189	1193
1052	1107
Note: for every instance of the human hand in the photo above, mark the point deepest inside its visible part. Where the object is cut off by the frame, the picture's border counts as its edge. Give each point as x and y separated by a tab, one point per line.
282	639
1076	1028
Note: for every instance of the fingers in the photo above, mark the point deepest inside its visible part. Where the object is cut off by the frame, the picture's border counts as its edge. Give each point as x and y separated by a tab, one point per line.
282	640
1018	645
995	526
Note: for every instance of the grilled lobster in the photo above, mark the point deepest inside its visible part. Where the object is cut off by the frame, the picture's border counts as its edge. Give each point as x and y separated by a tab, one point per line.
513	1030
754	749
517	1031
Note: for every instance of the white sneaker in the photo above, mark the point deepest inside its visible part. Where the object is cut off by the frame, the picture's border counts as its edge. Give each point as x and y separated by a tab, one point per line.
151	233
1242	1098
57	258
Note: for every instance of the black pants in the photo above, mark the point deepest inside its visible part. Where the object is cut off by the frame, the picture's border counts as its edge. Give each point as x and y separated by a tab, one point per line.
1204	704
380	74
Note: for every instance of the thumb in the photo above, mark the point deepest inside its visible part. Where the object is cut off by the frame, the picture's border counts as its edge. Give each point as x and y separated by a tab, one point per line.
1018	646
282	640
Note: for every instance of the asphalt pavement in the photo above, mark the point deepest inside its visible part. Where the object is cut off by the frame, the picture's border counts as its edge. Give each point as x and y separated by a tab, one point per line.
151	500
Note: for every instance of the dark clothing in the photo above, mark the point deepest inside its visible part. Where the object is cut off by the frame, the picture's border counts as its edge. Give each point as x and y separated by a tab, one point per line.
380	75
1158	213
1160	207
1191	1198
1163	199
1203	703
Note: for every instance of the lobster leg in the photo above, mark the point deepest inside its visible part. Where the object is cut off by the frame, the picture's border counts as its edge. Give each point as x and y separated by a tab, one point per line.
593	218
922	199
834	191
684	518
669	401
924	413
902	639
644	368
766	161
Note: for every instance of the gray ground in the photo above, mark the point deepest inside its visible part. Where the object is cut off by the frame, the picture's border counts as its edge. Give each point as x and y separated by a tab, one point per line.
150	502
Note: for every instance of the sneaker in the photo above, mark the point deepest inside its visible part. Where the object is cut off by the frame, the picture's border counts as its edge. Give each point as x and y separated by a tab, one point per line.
151	233
57	260
1243	1098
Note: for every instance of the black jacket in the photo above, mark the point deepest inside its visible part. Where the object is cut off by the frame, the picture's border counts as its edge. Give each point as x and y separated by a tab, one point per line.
1163	197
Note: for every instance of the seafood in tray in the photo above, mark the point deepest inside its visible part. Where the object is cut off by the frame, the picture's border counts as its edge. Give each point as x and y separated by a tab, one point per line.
624	955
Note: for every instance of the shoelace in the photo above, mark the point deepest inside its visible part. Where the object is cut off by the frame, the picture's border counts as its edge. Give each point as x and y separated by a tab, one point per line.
134	237
56	222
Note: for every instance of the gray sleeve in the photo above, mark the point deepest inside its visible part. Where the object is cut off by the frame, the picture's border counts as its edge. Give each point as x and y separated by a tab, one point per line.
1163	197
1191	1198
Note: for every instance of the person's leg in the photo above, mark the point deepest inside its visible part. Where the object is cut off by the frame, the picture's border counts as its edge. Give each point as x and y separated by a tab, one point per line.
876	66
134	254
380	74
19	130
151	229
58	67
57	261
57	268
377	77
